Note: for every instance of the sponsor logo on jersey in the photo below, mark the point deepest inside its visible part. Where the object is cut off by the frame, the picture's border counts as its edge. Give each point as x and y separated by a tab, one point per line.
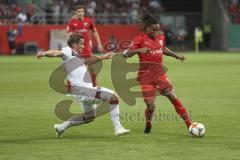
148	44
160	51
161	42
84	30
85	24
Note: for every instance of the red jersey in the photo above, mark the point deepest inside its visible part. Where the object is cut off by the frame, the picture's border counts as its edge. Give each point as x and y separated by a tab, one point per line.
83	27
150	62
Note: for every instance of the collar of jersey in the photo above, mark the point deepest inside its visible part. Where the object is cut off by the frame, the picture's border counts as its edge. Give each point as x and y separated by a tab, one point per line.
75	53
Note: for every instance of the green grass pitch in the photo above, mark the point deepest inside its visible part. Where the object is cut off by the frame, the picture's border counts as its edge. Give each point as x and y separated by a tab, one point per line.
208	85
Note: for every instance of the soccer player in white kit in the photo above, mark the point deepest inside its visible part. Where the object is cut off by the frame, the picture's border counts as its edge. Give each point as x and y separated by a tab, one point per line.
81	86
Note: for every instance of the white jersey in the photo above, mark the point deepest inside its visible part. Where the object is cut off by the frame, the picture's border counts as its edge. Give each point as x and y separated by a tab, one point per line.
80	80
77	72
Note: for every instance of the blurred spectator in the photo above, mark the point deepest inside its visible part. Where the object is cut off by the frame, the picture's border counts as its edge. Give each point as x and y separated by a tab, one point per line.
155	6
207	30
198	39
17	7
56	12
59	11
90	8
48	13
234	12
8	13
233	8
134	13
64	10
169	36
181	37
11	35
31	8
21	17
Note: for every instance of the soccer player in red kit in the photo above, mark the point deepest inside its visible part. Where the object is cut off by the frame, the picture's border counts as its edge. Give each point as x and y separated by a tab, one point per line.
81	25
151	74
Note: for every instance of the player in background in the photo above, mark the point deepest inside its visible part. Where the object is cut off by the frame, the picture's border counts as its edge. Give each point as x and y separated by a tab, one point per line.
81	85
81	25
151	75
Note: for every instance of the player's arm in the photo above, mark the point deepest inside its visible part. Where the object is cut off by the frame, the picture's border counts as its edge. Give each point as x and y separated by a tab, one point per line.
97	38
168	52
95	35
129	53
49	53
95	59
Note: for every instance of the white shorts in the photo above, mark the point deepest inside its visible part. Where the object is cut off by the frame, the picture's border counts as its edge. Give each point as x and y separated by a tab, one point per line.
89	96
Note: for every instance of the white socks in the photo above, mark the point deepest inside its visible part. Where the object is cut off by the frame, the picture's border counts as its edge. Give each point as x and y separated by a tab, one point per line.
114	113
74	121
65	125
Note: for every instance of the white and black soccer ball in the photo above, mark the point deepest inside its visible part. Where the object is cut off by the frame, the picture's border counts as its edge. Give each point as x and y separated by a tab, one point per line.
197	129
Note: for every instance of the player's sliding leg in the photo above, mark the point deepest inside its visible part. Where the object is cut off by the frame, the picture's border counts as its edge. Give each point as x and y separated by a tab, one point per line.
180	109
148	114
74	121
86	117
105	95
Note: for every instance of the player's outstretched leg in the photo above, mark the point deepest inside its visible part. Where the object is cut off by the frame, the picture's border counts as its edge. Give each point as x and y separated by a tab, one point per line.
105	95
75	121
148	115
180	109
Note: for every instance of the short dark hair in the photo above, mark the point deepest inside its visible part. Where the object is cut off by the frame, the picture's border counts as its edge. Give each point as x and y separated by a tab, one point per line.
74	39
78	7
148	19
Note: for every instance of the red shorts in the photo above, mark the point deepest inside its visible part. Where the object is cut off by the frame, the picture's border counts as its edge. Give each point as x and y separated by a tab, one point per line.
163	85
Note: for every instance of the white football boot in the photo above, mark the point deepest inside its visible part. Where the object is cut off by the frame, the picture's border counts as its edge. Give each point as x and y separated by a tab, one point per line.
121	131
58	129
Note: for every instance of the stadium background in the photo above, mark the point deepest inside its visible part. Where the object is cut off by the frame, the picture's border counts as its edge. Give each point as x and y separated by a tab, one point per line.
178	21
208	83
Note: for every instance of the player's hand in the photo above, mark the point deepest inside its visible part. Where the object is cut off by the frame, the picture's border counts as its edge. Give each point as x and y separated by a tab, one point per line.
181	58
40	55
109	55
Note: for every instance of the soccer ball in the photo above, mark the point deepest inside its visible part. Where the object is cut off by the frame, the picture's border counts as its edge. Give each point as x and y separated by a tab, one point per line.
197	129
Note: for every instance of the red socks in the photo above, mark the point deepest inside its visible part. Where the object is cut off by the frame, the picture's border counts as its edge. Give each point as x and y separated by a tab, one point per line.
94	80
181	111
148	116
